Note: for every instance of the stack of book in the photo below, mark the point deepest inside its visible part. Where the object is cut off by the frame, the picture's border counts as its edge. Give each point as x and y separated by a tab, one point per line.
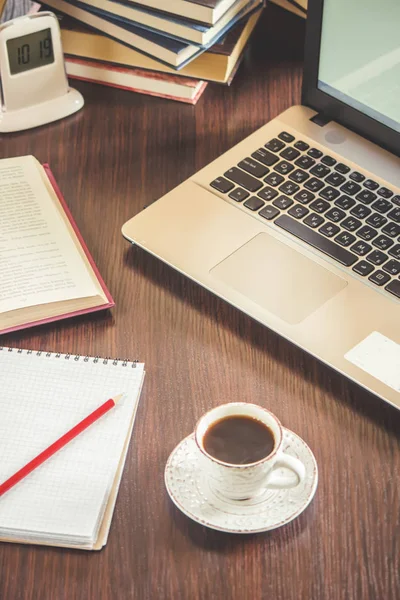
164	48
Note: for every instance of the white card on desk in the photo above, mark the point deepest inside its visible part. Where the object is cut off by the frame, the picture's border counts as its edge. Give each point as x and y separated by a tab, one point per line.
380	357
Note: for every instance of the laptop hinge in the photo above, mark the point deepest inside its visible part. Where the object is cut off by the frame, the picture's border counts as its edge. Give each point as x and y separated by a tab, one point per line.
320	119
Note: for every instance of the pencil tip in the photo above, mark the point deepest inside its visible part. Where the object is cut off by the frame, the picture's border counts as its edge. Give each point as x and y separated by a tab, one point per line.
117	398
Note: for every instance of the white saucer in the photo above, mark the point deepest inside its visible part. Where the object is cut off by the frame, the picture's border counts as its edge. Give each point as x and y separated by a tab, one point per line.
189	489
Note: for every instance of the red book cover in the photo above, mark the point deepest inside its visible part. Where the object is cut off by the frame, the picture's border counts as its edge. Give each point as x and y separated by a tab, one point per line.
104	70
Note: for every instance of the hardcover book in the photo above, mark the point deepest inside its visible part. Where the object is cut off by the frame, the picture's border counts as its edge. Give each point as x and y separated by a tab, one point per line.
141	81
172	52
169	25
216	64
204	11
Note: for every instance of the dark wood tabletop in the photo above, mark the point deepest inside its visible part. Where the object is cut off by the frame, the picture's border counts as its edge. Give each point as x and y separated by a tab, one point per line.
110	160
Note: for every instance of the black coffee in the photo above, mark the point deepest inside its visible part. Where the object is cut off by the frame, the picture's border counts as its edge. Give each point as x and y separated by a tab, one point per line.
238	440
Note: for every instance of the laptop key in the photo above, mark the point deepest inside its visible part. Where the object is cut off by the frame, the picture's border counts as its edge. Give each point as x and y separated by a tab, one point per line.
391	229
382	242
350	187
243	179
363	268
376	220
335	215
284	167
371	185
239	194
253	167
283	202
314	153
267	193
379	278
394	215
286	137
342	168
382	205
394	288
314	239
290	153
253	203
274	179
335	179
320	171
377	257
275	145
314	220
304	196
298	211
320	206
396	200
360	211
329	193
356	176
392	267
395	251
361	248
302	146
345	202
366	196
351	224
289	188
305	162
269	212
344	238
329	229
328	161
314	184
222	185
385	192
367	233
265	157
299	176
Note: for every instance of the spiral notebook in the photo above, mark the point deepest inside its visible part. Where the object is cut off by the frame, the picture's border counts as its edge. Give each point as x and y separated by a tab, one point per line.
69	500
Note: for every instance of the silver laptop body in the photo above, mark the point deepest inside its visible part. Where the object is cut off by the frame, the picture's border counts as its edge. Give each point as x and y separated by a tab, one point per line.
298	225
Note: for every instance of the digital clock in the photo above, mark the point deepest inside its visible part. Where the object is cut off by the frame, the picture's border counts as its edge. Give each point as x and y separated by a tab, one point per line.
34	85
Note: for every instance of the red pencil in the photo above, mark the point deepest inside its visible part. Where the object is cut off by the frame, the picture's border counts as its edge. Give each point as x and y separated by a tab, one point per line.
60	443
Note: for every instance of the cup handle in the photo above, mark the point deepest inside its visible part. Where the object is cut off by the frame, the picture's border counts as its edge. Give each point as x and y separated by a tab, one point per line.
282	481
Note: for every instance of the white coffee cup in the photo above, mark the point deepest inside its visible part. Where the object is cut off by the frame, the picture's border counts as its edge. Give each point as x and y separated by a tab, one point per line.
244	481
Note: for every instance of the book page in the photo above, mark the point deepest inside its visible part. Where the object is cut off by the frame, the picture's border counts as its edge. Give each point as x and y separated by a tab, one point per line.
39	262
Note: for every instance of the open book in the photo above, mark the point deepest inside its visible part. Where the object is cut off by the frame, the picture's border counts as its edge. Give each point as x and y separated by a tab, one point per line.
46	271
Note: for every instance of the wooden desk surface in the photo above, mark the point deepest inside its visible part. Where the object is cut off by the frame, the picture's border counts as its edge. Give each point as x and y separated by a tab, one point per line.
119	154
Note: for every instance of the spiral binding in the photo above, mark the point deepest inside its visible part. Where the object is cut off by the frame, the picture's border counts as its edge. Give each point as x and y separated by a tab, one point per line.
123	362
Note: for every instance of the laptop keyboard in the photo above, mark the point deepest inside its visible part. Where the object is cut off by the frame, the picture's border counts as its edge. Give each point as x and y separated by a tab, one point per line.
324	203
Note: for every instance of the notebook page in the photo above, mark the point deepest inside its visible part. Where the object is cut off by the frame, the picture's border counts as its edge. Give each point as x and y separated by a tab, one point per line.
43	396
39	262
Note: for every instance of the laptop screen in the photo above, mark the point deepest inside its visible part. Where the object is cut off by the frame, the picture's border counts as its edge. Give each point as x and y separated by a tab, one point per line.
359	61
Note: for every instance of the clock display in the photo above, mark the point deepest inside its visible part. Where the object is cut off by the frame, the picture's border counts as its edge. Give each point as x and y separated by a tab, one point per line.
30	51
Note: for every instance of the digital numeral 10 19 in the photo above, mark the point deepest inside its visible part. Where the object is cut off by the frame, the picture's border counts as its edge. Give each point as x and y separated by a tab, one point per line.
24	51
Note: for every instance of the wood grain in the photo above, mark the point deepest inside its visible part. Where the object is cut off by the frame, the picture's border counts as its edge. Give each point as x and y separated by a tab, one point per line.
117	155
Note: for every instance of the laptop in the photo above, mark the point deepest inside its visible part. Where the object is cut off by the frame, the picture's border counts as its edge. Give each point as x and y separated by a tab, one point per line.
298	225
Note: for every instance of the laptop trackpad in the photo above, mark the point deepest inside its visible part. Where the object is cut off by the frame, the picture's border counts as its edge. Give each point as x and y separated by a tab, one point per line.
278	278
